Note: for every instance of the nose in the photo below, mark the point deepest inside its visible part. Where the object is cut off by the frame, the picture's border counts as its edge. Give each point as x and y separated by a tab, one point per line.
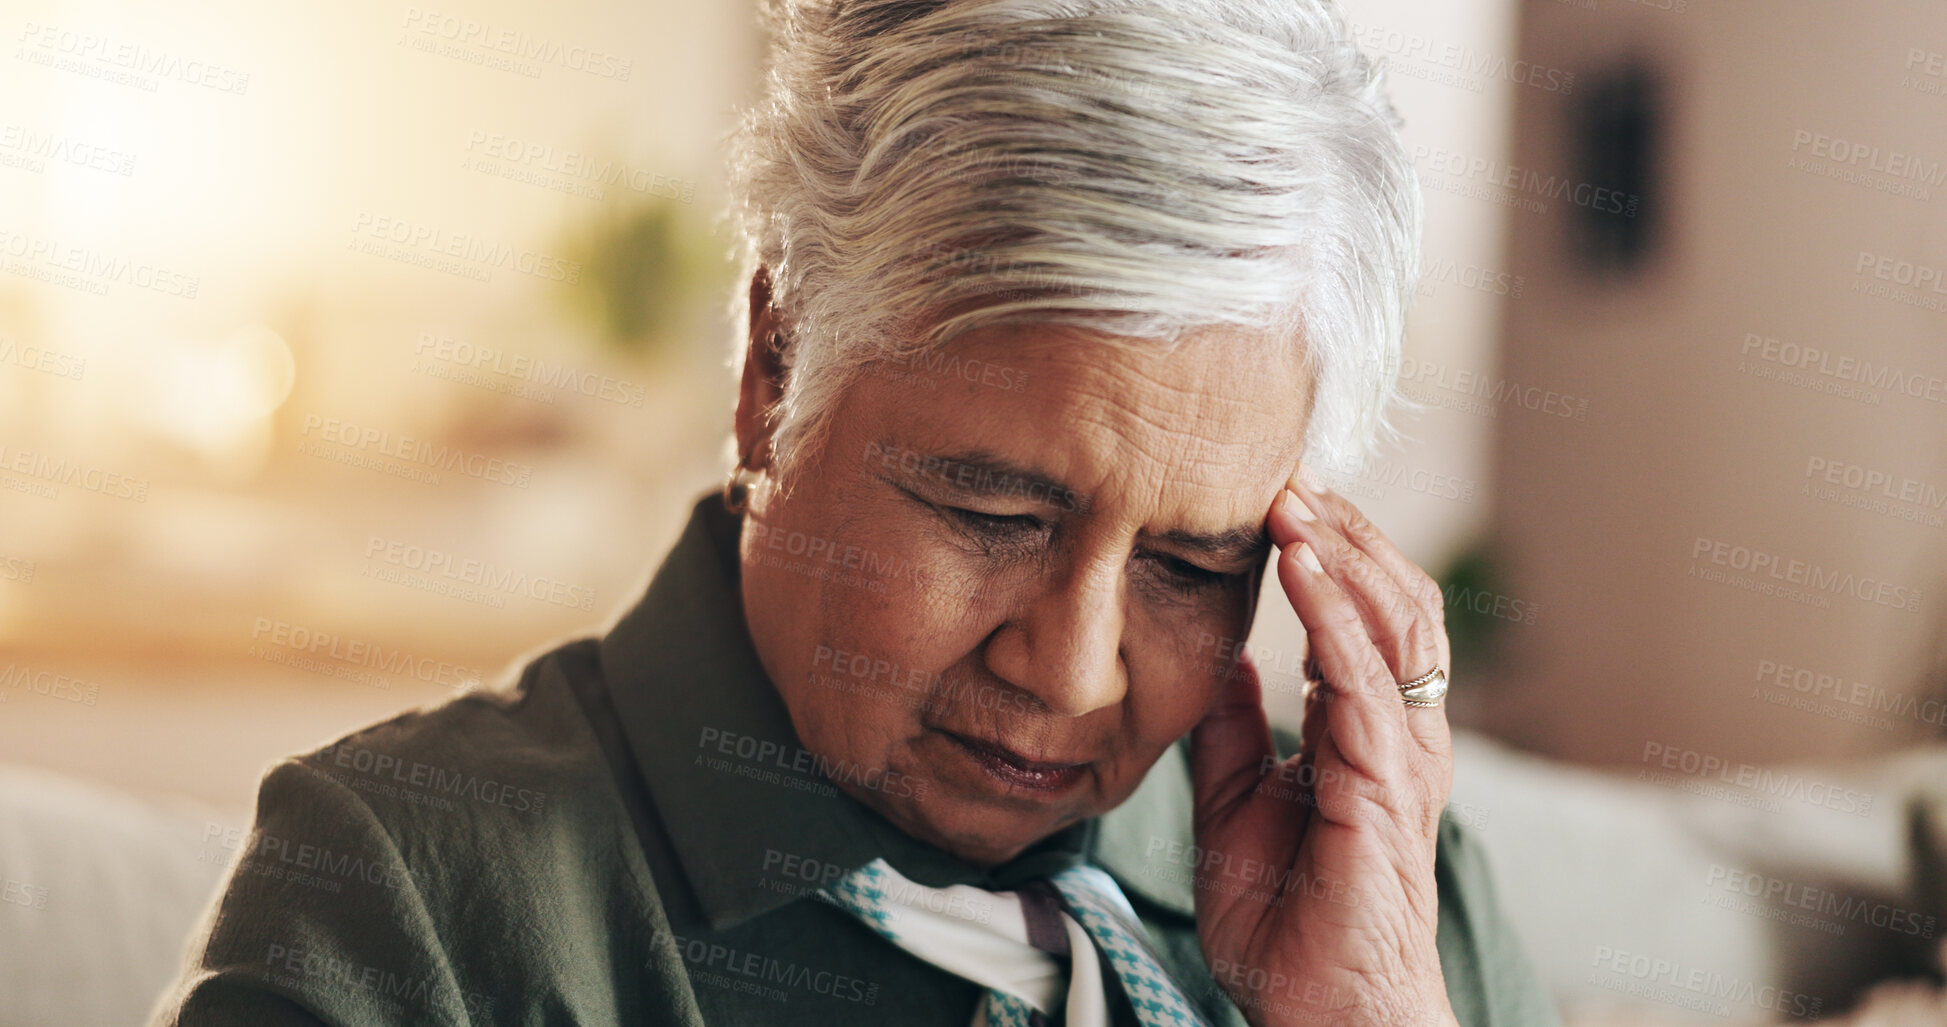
1064	646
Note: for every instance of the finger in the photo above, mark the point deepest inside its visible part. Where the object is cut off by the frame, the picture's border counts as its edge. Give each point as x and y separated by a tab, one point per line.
1365	716
1411	650
1313	727
1231	745
1339	512
1311	730
1393	617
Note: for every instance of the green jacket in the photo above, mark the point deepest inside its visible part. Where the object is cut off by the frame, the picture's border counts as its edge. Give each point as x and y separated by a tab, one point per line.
627	835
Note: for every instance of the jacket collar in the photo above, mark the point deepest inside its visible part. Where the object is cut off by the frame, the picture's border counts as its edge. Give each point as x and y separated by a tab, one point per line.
753	820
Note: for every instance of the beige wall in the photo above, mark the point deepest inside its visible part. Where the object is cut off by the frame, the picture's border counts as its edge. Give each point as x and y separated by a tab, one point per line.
1687	439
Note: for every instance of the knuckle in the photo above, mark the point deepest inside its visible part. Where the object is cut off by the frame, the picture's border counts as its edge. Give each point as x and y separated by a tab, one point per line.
1400	605
1343	618
1333	502
1422	639
1356	523
1427	593
1392	640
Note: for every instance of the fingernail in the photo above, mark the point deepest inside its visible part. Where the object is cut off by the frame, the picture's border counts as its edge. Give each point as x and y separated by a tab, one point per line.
1309	558
1290	505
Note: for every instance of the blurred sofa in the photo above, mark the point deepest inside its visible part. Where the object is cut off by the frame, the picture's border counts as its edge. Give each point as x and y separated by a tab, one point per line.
1646	901
100	891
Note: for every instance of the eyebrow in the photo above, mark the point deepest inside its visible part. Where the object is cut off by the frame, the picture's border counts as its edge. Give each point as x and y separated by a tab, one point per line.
982	473
985	474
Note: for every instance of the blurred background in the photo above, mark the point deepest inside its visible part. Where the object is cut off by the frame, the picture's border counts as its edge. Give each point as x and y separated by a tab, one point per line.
350	356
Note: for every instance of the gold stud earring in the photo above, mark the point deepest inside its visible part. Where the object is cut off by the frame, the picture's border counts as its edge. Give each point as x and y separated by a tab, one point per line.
736	491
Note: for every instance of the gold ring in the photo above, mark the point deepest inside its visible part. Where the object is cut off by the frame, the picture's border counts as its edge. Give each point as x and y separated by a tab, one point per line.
1429	689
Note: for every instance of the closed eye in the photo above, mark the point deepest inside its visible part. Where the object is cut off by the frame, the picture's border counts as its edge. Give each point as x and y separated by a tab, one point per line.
1189	575
995	524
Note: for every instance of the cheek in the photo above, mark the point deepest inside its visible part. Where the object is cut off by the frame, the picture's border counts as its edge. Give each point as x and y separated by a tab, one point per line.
891	620
1179	661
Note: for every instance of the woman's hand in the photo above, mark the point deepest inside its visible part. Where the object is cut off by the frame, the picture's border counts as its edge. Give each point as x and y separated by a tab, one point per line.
1316	902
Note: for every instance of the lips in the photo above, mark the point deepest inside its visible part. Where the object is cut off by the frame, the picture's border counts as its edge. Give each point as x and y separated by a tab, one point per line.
1018	770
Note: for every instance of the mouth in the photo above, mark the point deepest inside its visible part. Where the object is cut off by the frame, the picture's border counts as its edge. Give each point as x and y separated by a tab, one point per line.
1018	771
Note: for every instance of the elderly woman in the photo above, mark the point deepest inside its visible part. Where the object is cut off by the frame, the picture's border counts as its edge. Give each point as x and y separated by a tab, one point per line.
936	715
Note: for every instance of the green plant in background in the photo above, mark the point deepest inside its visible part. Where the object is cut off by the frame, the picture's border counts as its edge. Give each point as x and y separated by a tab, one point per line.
650	267
1478	608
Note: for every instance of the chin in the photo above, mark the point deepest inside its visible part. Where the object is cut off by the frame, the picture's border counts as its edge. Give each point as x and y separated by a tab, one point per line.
979	832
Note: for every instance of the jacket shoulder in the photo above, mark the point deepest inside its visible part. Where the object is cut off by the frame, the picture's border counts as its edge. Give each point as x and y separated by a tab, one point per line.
1490	980
425	868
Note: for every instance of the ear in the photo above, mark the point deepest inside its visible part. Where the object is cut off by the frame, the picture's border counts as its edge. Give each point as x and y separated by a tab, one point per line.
762	386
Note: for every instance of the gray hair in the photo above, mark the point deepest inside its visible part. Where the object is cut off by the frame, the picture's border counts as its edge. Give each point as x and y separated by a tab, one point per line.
916	169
